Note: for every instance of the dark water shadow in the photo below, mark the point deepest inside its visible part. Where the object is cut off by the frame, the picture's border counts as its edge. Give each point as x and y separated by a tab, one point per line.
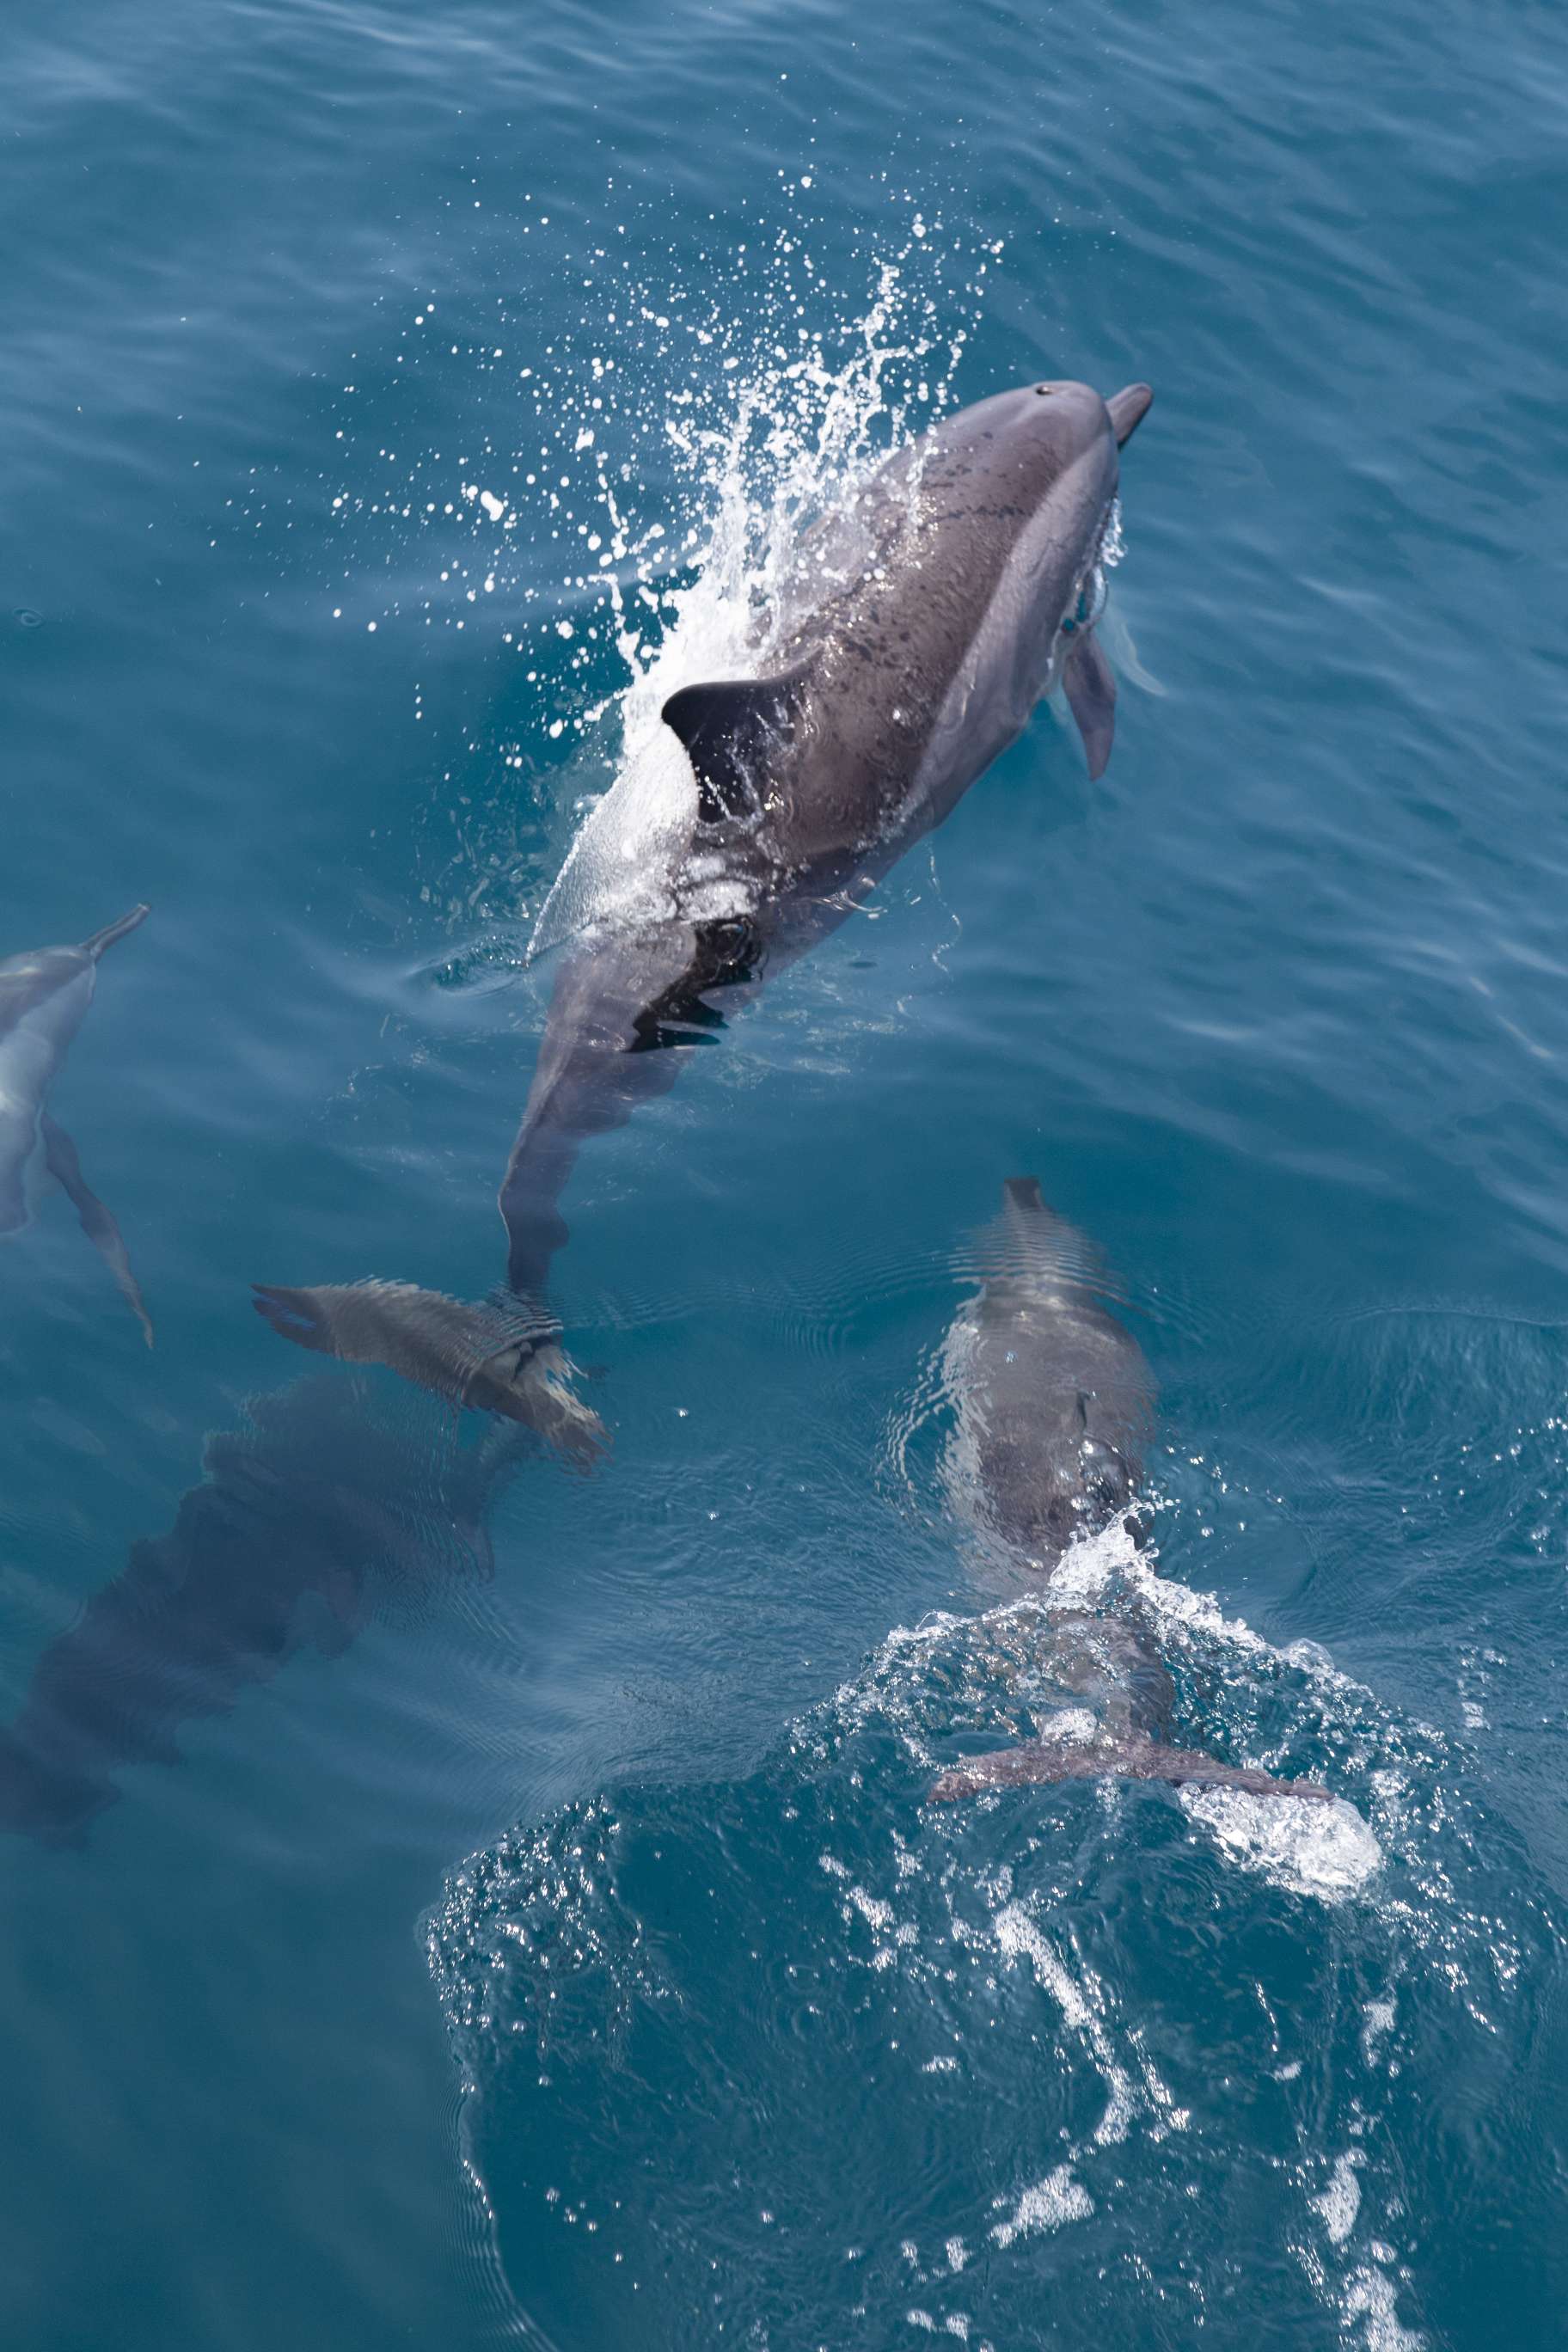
330	1500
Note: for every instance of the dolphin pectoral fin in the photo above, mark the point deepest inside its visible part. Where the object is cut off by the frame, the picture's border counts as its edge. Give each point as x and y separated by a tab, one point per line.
94	946
727	728
1091	698
1128	409
1132	1759
97	1221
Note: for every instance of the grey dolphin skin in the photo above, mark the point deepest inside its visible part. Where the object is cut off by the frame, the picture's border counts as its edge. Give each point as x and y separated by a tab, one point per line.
490	1359
1054	1401
44	998
1055	1397
926	620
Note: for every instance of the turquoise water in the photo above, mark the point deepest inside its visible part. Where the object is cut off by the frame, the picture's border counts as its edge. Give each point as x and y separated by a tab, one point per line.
354	1743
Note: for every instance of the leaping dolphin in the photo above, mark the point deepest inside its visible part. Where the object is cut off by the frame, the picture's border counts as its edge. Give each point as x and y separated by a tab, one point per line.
928	617
44	998
1054	1401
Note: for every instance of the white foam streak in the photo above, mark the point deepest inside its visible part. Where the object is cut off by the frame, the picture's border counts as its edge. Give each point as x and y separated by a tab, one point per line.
1047	2206
1326	1851
1018	1938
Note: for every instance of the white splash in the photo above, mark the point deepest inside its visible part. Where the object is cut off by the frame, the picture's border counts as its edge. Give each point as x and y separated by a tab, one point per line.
1340	2202
1326	1851
1076	1726
1019	1937
1051	2202
1369	2298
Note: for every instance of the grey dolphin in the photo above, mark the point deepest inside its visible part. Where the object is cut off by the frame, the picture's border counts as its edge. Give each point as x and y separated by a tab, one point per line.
1054	1396
490	1358
44	997
921	625
1054	1401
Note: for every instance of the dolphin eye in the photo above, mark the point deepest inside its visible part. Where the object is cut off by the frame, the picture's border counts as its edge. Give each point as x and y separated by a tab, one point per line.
1043	391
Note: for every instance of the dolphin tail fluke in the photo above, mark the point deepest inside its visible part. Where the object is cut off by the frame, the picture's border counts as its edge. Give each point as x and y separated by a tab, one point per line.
97	1221
94	946
1132	1758
295	1314
534	1231
1091	698
1128	409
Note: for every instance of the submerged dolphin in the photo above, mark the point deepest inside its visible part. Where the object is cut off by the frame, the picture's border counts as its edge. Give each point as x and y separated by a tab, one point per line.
44	997
307	1516
1054	1401
1054	1396
474	1355
926	618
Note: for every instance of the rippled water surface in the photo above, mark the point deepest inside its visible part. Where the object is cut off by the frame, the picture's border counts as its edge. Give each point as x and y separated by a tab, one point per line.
452	1898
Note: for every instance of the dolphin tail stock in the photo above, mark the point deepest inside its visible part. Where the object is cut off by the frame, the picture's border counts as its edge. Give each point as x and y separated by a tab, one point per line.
1030	1236
41	1797
1129	1757
94	946
622	1015
98	1221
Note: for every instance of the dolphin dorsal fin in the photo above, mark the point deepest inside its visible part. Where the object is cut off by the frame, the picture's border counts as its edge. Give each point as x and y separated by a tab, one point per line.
727	728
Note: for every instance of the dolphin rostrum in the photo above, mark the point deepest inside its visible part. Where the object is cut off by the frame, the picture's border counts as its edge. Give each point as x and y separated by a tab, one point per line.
44	997
1054	1403
925	620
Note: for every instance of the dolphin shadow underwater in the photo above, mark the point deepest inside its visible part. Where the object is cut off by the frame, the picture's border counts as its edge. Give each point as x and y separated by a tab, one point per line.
1055	1404
44	997
320	1506
921	624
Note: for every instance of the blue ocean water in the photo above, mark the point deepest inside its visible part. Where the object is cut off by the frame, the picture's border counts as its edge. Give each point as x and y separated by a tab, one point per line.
447	1908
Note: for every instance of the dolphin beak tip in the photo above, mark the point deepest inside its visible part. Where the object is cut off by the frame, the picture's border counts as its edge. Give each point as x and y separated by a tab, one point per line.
1127	410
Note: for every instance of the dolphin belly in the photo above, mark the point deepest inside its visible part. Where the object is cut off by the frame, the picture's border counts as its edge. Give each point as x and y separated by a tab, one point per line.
22	1177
